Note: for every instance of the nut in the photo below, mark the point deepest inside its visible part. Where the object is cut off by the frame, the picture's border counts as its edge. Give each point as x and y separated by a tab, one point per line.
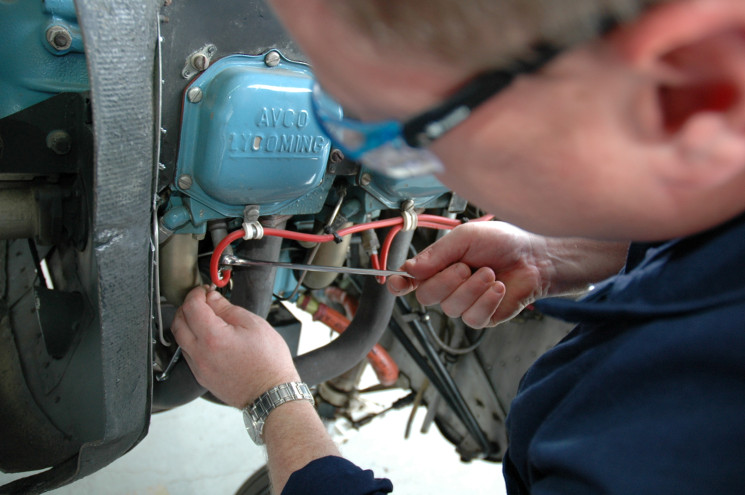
59	38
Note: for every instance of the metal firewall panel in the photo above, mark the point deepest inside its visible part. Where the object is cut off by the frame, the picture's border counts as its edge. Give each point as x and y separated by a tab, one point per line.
249	136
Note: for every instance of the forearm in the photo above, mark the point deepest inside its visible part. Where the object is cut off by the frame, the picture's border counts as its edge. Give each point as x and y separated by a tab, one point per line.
577	263
294	436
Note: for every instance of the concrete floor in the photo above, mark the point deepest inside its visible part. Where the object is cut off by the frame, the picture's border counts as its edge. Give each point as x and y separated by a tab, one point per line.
203	448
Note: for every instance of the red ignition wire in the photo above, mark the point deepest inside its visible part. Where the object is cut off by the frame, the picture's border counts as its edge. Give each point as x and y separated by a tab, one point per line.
221	277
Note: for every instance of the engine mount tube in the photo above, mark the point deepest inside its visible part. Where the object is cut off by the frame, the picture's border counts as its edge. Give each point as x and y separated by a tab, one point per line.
371	320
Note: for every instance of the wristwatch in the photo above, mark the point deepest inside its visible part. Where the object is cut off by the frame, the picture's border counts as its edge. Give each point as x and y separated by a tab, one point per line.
255	414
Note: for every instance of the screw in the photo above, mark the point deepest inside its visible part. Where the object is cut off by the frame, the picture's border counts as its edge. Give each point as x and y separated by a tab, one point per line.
59	38
59	141
185	182
195	95
407	205
272	59
336	156
200	61
365	179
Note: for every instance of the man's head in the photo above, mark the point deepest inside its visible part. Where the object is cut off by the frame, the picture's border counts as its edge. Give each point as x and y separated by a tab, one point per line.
638	134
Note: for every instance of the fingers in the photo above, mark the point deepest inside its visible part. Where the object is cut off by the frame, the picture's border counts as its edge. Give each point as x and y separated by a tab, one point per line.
400	286
437	256
438	287
473	297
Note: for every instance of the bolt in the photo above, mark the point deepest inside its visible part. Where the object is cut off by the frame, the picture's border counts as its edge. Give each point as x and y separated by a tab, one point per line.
200	61
59	141
59	38
365	179
336	156
272	59
407	205
195	95
185	182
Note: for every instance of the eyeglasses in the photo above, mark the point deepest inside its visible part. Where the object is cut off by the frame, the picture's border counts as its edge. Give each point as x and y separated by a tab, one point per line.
399	149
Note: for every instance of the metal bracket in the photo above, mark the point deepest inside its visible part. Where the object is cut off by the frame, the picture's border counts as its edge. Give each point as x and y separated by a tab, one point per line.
251	227
409	215
198	61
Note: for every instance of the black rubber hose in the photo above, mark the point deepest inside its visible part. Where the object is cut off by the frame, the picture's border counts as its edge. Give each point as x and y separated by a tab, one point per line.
253	287
369	323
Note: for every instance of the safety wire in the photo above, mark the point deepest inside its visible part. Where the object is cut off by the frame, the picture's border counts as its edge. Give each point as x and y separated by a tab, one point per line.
221	277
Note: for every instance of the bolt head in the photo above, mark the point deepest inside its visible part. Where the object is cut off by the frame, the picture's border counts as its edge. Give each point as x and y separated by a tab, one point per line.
365	179
185	182
407	204
59	141
336	156
272	59
59	38
195	95
200	61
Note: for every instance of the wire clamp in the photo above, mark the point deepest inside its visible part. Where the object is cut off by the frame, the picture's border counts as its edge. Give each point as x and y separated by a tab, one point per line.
252	229
409	215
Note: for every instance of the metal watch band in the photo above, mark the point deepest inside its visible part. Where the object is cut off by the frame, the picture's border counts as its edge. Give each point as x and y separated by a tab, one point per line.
255	414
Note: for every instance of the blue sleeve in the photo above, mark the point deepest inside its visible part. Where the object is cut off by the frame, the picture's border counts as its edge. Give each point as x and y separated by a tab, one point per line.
333	475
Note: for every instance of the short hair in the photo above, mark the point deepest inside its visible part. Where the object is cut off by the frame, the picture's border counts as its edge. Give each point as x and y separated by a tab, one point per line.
481	34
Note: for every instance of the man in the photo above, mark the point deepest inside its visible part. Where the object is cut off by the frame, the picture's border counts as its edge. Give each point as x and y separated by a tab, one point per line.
628	127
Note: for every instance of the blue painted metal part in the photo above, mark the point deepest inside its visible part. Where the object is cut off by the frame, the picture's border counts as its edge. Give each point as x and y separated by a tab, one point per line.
251	139
32	69
424	190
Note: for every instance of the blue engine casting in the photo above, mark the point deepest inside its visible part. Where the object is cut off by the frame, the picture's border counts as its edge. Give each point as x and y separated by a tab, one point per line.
42	55
249	137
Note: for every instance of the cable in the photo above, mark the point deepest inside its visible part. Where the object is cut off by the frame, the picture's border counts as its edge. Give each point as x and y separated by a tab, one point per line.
221	277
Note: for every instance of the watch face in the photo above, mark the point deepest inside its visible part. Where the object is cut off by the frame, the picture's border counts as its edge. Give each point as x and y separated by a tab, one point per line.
253	427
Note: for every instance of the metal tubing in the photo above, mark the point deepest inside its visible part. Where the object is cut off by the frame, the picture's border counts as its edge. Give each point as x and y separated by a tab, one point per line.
19	214
371	320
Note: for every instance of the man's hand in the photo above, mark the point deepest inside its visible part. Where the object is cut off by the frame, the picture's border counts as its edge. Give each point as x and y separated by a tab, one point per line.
488	272
232	352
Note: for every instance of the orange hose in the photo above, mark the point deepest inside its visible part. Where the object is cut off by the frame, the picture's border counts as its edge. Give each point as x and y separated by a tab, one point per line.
383	364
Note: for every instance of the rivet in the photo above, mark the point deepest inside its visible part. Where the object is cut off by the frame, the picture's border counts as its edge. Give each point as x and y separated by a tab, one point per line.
272	58
194	95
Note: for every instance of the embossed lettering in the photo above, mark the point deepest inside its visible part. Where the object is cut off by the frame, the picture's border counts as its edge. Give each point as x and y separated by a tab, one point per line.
282	117
247	143
264	118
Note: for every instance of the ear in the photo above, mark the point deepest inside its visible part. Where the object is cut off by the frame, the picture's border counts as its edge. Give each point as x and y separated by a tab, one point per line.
693	52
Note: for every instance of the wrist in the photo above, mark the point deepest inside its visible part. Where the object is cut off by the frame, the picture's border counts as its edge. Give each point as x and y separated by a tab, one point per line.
260	410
